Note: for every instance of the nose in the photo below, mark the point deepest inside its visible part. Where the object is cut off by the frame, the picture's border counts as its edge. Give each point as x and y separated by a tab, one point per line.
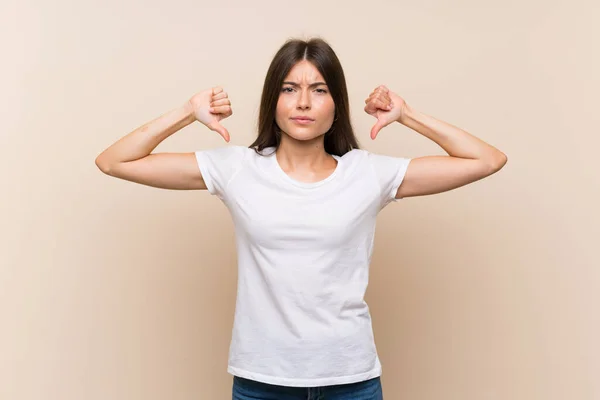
304	100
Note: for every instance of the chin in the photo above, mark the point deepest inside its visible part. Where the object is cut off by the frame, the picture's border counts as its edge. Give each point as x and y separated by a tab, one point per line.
303	135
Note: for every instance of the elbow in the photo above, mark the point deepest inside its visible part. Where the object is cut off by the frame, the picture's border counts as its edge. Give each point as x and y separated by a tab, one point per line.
103	165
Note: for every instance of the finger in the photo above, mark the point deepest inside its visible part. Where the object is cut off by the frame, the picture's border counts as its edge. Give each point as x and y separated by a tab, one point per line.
371	97
370	108
222	102
219	96
381	104
383	96
379	91
217	90
376	128
378	104
221	130
380	96
220	109
225	134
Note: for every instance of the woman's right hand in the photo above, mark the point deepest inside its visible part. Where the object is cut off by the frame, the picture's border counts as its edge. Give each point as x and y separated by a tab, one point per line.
210	107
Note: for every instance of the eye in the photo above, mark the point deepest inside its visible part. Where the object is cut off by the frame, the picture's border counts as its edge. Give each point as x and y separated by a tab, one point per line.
321	91
287	89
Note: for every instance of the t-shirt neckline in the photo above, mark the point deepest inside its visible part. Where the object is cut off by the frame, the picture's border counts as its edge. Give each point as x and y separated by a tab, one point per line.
302	184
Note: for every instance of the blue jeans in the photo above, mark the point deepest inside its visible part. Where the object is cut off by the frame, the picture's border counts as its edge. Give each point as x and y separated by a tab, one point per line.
247	389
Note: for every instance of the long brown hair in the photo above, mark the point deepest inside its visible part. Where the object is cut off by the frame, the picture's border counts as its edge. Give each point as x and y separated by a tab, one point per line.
340	138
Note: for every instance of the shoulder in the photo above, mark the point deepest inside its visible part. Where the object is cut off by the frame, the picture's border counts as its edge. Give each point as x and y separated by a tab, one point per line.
355	156
229	152
382	161
387	170
373	160
366	155
222	161
220	165
230	157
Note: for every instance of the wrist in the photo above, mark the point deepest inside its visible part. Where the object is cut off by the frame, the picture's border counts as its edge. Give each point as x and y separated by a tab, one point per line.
188	112
407	115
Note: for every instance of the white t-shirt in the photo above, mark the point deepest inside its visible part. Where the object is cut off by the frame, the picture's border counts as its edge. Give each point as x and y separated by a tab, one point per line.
304	251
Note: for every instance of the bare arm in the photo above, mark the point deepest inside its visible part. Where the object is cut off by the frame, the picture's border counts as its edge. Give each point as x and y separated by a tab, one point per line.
130	157
469	158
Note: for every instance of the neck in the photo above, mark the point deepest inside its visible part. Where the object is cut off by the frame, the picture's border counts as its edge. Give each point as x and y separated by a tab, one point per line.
302	154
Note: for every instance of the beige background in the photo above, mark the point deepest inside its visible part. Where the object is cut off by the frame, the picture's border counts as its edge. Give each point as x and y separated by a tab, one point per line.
111	290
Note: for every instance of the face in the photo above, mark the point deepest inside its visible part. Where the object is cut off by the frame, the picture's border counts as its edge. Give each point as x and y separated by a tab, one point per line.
305	108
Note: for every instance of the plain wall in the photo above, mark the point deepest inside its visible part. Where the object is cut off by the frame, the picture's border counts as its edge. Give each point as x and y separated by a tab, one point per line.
112	290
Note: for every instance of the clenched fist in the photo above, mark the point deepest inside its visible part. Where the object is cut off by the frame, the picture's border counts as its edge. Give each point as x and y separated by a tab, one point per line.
210	107
386	106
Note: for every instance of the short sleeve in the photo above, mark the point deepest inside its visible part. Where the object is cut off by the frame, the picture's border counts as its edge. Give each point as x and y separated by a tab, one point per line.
389	172
218	167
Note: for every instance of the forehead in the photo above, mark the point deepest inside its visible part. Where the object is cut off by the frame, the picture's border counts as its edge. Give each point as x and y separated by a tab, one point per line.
304	71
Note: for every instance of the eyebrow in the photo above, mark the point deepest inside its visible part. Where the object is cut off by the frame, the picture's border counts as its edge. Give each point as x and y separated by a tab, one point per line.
310	86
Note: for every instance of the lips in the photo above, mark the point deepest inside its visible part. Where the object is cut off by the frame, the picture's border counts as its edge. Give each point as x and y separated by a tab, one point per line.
302	119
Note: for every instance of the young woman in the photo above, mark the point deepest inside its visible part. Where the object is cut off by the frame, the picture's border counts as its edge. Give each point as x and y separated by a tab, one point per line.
304	200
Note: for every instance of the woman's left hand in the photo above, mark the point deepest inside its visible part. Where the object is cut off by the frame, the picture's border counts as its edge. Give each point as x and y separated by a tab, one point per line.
386	106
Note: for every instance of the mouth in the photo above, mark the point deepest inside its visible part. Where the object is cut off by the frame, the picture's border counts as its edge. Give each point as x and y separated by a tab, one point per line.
302	120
